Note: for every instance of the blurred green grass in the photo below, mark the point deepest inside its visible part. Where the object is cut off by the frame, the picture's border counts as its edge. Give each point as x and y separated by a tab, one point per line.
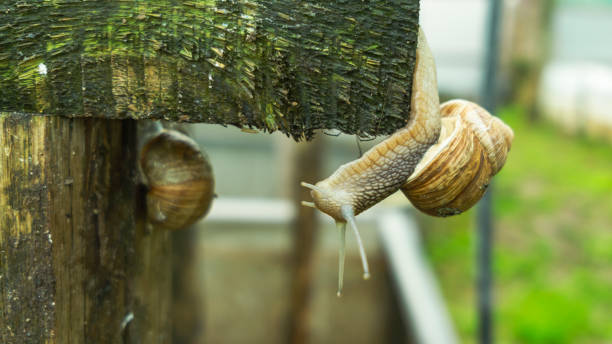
553	242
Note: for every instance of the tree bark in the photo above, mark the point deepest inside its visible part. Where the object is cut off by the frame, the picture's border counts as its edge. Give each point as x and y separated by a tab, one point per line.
77	264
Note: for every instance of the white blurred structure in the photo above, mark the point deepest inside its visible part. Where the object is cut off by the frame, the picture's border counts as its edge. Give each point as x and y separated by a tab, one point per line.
455	30
419	293
578	96
576	86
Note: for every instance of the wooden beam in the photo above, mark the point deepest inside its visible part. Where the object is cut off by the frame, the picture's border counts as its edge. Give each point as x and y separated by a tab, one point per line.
287	65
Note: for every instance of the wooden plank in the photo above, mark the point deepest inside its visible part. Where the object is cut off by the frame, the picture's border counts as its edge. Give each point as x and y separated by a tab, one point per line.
287	65
76	263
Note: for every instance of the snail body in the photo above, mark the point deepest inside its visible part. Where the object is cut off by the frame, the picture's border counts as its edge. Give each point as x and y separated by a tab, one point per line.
382	170
179	178
442	160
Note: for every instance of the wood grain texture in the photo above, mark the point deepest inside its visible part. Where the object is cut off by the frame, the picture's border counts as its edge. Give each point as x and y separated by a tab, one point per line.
75	259
287	65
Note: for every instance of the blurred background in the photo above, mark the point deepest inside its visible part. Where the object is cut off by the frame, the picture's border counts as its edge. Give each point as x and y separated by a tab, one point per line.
266	270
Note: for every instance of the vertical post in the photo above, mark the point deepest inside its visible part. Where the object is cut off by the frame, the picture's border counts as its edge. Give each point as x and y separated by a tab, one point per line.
76	265
484	221
307	162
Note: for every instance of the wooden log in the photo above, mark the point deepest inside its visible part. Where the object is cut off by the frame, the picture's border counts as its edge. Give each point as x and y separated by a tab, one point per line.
287	65
76	263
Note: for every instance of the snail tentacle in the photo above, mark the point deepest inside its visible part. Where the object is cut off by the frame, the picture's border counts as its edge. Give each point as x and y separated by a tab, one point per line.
349	215
308	204
341	253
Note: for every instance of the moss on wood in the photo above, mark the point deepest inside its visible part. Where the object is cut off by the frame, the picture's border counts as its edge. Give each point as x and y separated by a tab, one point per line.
287	65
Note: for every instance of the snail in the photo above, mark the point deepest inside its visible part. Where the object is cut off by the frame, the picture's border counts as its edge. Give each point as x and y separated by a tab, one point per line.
179	177
426	160
455	172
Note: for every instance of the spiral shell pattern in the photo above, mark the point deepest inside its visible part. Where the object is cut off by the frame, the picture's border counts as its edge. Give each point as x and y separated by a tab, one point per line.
455	172
180	180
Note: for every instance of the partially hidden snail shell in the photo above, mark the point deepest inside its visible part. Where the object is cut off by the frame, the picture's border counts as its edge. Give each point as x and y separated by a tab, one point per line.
180	180
455	172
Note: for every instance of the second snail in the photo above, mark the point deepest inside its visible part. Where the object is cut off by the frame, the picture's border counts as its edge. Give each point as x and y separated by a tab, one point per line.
179	178
442	160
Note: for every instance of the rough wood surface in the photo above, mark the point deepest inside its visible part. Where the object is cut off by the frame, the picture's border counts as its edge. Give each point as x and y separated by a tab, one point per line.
76	264
286	65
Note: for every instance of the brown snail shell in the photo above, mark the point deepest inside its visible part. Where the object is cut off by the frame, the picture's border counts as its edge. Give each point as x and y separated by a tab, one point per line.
455	172
180	180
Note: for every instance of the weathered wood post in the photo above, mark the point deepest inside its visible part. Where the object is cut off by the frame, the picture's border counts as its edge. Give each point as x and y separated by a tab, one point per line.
77	263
